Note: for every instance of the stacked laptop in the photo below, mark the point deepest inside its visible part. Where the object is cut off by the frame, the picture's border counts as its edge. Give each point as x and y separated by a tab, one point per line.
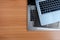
47	13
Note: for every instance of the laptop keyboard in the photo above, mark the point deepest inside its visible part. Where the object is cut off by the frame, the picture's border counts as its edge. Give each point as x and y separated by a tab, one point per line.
49	6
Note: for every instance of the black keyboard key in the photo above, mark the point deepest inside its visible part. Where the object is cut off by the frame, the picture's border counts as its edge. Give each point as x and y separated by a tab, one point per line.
32	16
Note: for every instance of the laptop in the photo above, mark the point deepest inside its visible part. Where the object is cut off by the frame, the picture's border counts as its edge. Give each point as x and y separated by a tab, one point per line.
48	11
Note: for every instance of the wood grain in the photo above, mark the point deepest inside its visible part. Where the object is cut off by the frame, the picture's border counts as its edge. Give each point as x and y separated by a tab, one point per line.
13	23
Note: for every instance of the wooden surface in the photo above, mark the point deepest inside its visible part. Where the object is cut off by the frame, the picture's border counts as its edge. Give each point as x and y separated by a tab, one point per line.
13	23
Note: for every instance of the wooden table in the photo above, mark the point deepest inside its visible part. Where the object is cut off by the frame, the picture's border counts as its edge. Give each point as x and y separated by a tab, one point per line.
13	23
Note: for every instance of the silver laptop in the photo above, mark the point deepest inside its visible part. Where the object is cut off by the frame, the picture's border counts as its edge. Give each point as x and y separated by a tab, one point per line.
48	11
